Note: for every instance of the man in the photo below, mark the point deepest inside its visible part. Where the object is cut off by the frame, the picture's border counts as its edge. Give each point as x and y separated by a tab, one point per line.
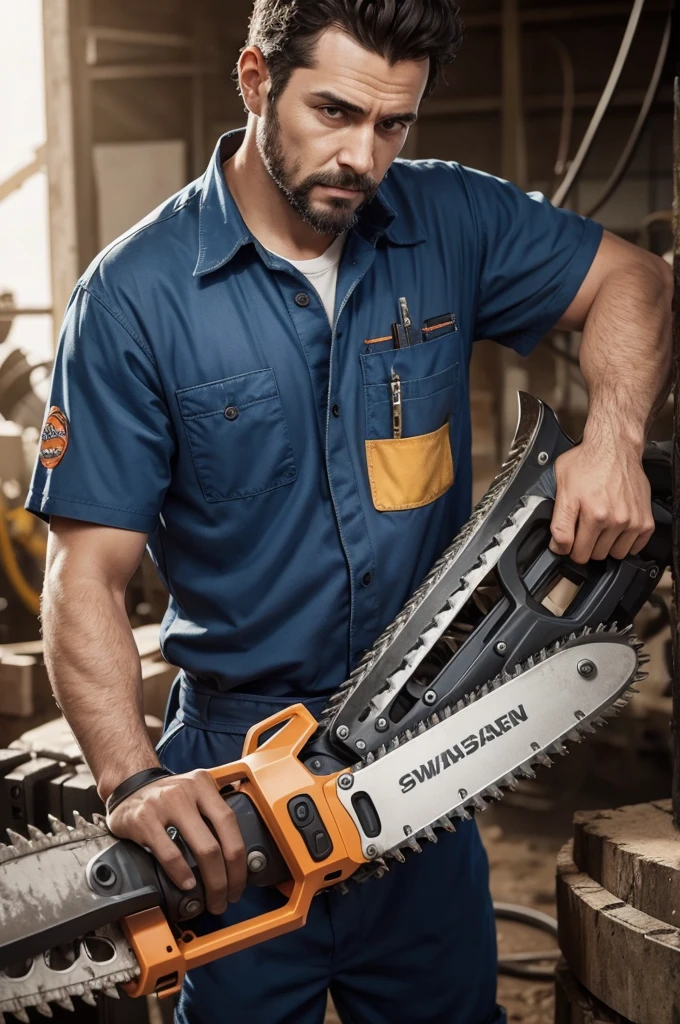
224	386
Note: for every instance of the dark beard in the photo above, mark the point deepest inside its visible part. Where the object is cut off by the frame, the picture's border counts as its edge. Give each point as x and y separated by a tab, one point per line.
338	215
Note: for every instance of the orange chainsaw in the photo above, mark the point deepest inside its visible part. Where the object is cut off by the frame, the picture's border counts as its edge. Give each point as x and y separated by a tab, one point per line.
504	652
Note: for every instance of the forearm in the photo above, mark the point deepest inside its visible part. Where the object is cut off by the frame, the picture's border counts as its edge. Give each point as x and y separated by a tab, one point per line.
626	355
95	671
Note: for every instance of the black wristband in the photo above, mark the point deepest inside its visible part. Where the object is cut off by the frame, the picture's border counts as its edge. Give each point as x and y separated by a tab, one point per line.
135	782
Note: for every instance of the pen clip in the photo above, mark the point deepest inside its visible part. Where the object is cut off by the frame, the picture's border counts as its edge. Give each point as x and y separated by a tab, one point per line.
395	387
406	321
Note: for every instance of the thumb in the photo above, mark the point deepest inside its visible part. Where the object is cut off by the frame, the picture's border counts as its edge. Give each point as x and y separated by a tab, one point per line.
563	526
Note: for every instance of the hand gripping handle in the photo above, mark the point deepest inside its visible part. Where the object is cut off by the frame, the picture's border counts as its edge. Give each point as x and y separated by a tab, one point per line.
271	775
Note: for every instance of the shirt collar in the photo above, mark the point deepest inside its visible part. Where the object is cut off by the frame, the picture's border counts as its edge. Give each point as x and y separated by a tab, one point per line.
222	230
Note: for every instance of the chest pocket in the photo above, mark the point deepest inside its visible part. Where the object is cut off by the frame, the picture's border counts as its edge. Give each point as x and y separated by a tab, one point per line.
415	469
238	435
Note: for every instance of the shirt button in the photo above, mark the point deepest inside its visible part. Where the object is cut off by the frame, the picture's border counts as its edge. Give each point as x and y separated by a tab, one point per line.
231	412
336	411
368	579
302	299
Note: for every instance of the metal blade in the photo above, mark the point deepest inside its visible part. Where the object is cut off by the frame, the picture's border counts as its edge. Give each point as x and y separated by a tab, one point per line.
499	734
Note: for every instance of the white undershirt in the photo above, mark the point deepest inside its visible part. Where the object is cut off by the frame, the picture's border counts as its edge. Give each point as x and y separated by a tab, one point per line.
322	272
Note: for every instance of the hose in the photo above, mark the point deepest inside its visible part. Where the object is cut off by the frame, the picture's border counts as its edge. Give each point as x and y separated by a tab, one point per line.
605	99
628	153
513	965
26	593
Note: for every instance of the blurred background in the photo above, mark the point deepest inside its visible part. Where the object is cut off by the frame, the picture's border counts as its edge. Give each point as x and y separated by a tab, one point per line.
110	106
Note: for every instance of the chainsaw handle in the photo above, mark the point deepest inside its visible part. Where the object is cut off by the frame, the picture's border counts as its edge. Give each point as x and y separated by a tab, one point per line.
273	776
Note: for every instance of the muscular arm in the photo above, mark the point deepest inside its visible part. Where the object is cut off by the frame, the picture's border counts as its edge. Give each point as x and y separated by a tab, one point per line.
90	651
95	672
624	309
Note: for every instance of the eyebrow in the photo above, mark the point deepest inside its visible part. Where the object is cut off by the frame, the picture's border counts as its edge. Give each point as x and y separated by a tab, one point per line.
352	108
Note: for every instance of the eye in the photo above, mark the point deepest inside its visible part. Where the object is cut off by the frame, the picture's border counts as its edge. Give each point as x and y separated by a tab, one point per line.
393	127
333	113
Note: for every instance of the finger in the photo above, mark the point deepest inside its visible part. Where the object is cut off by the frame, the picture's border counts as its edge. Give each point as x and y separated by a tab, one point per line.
213	807
170	858
209	859
611	540
563	525
588	533
627	542
643	539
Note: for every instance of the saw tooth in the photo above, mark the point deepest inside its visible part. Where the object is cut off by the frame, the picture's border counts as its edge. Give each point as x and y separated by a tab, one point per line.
35	833
342	888
18	841
22	1016
494	792
543	758
640	677
88	997
56	825
66	1003
398	855
558	748
434	718
430	835
574	736
479	803
586	727
112	993
370	757
414	844
44	1009
509	781
446	823
6	853
421	728
381	751
644	659
462	813
601	628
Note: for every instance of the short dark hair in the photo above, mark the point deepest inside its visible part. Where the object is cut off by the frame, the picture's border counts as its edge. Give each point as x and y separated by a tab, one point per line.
286	31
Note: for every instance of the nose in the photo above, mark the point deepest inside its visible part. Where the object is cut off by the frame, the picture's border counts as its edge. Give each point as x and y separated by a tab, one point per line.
357	153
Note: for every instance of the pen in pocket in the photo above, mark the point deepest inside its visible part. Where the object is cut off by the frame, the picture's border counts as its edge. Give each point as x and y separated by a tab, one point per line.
395	387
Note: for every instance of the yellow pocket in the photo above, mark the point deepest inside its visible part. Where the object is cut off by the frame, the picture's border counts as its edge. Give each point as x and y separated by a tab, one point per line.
409	472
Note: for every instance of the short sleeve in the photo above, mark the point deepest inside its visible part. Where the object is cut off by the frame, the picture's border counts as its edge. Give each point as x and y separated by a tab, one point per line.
107	444
533	260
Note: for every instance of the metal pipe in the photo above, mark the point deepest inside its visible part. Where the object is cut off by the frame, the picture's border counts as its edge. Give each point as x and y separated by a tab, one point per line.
675	685
593	128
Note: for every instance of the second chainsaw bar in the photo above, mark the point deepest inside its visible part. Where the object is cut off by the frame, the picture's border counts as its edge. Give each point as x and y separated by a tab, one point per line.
520	718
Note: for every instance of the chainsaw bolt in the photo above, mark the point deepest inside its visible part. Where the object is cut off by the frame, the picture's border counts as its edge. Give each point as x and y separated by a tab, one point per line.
654	572
189	908
371	851
586	669
361	745
346	781
430	697
381	724
256	862
501	647
543	459
343	732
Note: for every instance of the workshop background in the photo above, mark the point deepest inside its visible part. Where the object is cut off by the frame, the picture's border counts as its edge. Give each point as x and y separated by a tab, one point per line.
108	107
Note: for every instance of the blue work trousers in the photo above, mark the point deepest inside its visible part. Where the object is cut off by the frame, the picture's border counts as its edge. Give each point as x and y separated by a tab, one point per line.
415	947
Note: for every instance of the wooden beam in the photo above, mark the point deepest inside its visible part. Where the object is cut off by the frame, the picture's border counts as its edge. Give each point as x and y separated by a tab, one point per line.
61	174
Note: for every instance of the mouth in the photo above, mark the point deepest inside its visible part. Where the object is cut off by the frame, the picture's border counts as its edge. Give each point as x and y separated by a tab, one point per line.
340	193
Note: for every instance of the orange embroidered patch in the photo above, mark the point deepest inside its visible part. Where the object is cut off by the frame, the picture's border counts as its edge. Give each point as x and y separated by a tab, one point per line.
54	438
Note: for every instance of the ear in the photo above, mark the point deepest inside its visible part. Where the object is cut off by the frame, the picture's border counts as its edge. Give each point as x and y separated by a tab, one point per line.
254	80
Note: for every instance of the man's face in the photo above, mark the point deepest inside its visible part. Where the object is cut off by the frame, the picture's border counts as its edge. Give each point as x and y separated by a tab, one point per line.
331	136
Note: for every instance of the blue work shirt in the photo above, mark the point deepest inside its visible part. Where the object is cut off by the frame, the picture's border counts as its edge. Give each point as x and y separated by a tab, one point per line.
212	406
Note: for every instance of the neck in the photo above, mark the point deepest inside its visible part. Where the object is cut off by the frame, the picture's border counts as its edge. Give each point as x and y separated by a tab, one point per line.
266	211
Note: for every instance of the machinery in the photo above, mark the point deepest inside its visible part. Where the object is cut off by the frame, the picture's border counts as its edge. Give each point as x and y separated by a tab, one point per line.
504	653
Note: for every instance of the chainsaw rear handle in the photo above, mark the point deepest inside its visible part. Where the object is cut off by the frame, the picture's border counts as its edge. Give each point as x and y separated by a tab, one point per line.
289	817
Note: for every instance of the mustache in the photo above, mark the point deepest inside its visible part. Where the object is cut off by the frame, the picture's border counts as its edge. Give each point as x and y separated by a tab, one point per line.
346	180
